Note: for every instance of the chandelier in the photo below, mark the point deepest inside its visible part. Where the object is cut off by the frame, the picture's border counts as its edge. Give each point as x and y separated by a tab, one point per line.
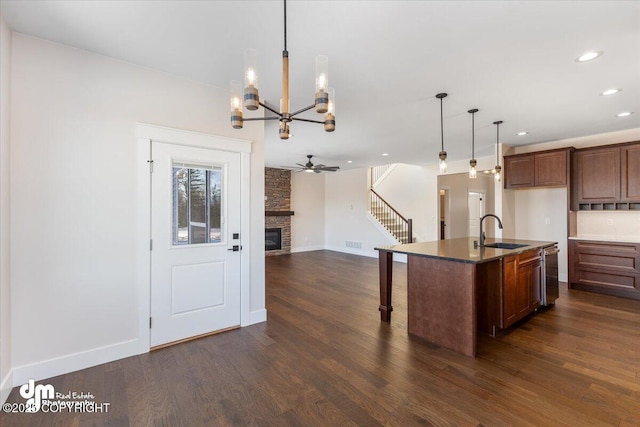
324	102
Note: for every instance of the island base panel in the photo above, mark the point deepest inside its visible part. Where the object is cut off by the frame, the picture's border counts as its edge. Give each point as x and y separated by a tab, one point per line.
441	303
385	264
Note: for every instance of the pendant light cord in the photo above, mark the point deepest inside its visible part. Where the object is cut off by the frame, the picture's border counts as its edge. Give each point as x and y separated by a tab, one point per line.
497	139
441	127
285	25
473	135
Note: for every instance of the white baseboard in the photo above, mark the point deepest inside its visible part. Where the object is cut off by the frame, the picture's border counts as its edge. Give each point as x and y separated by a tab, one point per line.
400	258
75	362
307	248
353	251
257	316
6	386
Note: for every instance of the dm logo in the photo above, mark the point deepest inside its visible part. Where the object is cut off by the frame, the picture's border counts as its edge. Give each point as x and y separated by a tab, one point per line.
35	394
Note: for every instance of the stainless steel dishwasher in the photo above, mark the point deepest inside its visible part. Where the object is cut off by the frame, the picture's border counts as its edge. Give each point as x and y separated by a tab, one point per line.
550	290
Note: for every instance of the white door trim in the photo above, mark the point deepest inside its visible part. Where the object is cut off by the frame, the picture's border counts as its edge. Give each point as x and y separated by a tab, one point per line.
146	134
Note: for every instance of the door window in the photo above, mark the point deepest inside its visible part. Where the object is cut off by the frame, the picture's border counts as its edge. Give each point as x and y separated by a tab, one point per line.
197	204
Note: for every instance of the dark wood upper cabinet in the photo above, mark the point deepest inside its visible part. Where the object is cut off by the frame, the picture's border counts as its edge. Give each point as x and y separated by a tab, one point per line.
607	178
551	168
541	169
599	175
518	171
630	178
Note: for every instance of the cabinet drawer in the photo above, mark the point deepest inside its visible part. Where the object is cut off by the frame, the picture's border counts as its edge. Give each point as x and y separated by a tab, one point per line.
604	267
529	256
607	280
616	257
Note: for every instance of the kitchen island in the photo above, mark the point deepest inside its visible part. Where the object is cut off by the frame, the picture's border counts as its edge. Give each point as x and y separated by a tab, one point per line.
455	288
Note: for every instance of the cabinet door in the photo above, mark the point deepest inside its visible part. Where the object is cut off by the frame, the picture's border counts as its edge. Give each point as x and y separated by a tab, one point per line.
536	284
599	175
631	173
509	285
551	169
518	171
523	290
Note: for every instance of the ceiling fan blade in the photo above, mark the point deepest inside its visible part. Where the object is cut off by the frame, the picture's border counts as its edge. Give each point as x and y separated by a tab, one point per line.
330	168
302	166
317	171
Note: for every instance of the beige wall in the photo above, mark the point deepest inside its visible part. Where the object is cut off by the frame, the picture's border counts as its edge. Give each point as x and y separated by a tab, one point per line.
614	225
74	203
346	214
5	224
458	186
307	202
404	188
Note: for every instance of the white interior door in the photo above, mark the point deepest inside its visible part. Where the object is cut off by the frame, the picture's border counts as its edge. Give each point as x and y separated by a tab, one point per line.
476	211
195	224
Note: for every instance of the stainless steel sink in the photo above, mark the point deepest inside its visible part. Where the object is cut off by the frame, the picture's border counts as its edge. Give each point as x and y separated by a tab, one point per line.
502	245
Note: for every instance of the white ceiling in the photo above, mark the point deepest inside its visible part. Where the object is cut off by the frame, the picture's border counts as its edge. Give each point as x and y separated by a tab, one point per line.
513	60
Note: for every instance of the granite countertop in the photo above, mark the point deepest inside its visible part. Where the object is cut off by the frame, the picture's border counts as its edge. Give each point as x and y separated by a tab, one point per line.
607	238
462	250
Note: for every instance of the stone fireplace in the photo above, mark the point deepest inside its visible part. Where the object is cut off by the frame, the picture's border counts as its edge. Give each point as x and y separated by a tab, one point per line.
277	205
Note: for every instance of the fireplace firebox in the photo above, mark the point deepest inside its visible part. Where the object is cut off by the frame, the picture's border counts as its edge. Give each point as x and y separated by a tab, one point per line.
273	239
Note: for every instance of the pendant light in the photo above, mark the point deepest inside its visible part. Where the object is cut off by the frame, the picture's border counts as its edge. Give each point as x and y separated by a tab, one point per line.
443	154
498	169
473	172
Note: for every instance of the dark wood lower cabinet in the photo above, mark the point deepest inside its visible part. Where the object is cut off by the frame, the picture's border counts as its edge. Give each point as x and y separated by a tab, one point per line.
521	291
611	268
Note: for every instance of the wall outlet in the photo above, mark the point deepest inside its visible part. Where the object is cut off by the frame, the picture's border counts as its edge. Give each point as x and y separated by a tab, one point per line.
547	220
609	221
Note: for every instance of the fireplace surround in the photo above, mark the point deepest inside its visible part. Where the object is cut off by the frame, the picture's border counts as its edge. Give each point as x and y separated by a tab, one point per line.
277	205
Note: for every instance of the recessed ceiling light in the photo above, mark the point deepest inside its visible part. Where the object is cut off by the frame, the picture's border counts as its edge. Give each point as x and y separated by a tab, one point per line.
522	133
625	114
349	161
610	92
588	56
385	154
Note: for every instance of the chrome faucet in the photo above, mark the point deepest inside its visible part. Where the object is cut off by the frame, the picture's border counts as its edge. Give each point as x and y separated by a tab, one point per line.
482	236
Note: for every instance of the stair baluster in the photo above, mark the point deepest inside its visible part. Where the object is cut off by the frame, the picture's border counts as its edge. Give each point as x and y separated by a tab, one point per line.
399	226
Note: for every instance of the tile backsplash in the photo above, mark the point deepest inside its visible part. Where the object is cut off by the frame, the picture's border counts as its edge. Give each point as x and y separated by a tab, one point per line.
623	225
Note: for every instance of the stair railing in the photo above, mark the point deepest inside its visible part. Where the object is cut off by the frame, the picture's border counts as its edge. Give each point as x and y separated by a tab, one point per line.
377	172
405	233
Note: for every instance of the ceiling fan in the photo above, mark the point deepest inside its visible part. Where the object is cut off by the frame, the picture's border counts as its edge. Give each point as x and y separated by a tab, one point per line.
310	167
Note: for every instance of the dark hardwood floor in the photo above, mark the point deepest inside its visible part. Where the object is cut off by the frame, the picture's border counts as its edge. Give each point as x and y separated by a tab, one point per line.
323	358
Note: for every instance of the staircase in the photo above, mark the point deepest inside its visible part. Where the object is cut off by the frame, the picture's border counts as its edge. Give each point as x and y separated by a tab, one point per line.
400	227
